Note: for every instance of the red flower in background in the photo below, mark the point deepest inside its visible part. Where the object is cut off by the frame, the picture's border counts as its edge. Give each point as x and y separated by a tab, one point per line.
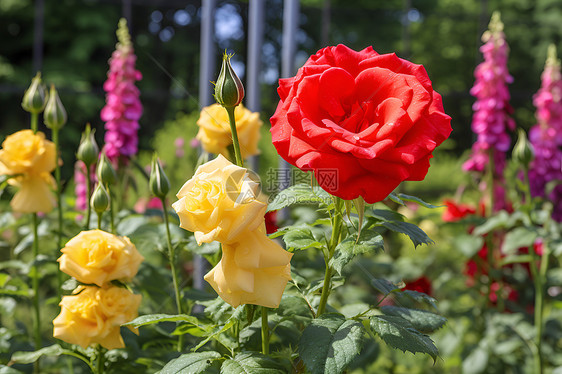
456	212
422	284
363	122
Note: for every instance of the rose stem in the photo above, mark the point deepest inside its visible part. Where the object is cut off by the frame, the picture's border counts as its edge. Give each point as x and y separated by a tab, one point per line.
55	134
34	120
264	331
100	215
334	241
100	354
111	213
89	194
35	284
235	142
172	258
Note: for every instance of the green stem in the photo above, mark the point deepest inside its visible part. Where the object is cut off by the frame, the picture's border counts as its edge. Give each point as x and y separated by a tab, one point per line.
337	221
172	259
527	189
34	121
264	331
250	309
89	196
59	202
99	364
235	142
35	285
111	212
539	276
100	215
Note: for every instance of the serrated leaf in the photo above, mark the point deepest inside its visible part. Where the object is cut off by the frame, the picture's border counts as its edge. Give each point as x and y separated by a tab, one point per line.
192	363
415	199
150	319
394	221
518	238
220	329
422	320
252	363
400	334
330	343
30	357
300	194
300	238
420	297
350	247
384	286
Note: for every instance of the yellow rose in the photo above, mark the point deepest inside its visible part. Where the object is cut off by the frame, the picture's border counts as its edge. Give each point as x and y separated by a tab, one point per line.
93	315
98	257
215	135
32	158
220	202
254	270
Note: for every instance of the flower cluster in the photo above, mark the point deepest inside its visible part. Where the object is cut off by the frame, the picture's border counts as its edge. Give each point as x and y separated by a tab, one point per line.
123	108
491	120
372	119
215	135
94	314
546	136
29	159
222	202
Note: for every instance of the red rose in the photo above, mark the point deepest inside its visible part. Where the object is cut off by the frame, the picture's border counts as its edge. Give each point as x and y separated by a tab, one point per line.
422	284
372	119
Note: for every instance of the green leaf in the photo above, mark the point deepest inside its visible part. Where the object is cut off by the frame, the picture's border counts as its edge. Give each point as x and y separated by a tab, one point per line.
300	238
422	320
420	297
300	194
469	245
30	357
394	221
350	247
518	238
330	343
252	363
403	197
383	286
219	330
400	334
150	319
476	362
191	363
8	370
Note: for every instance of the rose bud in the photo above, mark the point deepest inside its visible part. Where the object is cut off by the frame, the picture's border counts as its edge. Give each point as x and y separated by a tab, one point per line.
105	171
229	90
88	150
34	98
158	183
55	114
100	199
523	151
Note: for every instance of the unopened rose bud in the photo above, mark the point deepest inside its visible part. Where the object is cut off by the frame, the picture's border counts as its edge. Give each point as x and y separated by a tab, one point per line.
100	199
55	114
523	151
159	184
229	90
35	97
105	171
88	150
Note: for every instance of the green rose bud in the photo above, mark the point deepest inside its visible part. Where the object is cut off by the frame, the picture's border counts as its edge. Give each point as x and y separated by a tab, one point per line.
523	151
159	184
100	199
105	171
88	150
55	115
229	90
34	98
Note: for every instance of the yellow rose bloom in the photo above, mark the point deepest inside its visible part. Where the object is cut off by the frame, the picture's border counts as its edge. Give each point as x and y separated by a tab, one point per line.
254	270
220	202
93	315
32	158
98	257
215	135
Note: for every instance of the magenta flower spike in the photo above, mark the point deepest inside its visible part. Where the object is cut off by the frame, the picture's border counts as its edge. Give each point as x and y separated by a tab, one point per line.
546	135
123	108
491	120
